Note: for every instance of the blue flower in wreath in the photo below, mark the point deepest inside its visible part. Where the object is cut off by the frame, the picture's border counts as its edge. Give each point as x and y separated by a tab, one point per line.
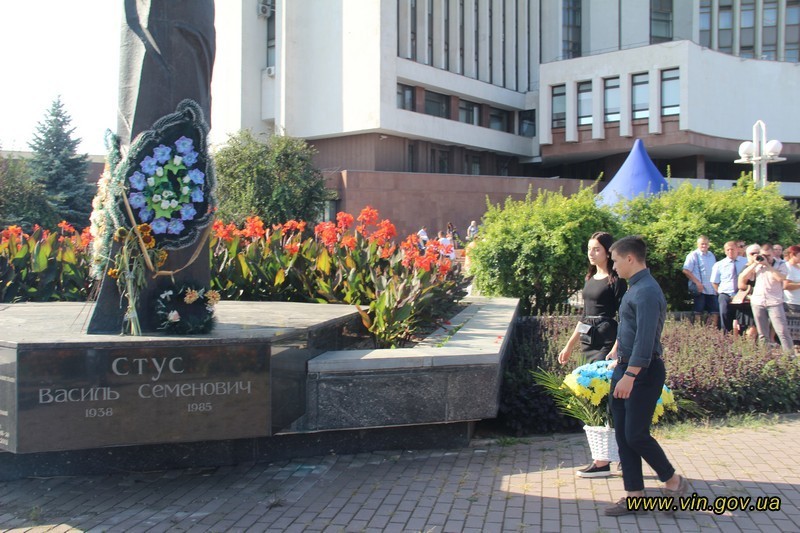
159	226
137	200
149	165
162	153
188	212
175	227
184	145
138	181
190	158
196	176
197	194
146	215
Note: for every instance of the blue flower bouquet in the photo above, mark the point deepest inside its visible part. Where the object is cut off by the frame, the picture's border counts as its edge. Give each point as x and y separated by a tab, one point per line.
583	394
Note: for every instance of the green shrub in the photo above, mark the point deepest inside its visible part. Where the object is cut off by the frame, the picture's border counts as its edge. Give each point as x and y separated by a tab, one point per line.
729	376
535	249
525	406
671	222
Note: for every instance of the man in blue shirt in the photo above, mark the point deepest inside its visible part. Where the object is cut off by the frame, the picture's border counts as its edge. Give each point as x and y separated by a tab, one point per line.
697	268
725	279
638	377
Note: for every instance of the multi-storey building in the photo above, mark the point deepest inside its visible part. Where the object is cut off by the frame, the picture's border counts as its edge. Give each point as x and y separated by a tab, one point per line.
425	106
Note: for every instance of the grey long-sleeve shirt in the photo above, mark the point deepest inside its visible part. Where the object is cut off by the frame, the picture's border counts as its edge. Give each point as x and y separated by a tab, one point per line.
641	319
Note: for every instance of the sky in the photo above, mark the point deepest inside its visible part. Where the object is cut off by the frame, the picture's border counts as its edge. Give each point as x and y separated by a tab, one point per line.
55	47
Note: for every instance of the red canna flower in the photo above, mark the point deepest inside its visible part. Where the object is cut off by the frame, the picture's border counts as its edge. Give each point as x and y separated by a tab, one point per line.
444	266
387	251
223	232
368	216
293	225
86	238
349	242
326	232
66	227
253	228
344	220
291	247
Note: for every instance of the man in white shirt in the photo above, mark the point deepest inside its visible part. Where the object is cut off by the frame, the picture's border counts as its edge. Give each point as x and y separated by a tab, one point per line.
423	237
791	286
725	279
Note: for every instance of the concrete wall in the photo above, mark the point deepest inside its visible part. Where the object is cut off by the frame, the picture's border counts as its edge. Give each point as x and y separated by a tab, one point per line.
411	200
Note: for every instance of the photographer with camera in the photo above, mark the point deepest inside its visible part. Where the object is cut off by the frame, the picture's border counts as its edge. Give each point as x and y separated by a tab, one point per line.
767	298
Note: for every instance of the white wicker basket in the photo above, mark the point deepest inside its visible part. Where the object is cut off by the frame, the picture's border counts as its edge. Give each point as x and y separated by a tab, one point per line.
602	443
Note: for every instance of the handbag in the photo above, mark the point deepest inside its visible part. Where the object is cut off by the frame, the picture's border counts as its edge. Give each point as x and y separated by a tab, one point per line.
742	297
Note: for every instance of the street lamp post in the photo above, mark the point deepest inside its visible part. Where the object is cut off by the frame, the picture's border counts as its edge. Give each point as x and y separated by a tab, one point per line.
759	152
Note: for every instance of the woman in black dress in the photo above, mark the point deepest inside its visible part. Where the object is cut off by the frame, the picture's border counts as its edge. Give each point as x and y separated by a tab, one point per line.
597	329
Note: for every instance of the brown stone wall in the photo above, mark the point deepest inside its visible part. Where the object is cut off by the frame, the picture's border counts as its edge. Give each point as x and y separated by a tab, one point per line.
411	200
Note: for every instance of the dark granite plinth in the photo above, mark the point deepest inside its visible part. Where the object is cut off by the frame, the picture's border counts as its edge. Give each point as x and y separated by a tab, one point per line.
230	452
61	389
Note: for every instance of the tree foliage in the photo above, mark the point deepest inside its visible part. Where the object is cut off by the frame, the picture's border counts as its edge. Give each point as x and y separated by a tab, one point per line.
275	181
58	168
534	249
671	222
22	201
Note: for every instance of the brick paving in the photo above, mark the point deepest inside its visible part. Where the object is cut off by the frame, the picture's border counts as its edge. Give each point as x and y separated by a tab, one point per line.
487	487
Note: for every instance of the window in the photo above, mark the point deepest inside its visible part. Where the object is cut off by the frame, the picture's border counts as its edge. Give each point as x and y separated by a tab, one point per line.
429	59
670	92
660	21
705	23
770	13
611	99
499	119
405	97
527	123
584	103
571	41
769	52
559	106
472	164
640	96
440	161
412	19
747	17
792	52
725	21
411	162
437	104
271	39
469	112
747	36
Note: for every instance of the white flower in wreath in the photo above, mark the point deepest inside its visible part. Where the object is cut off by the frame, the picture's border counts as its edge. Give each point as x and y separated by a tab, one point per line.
166	295
174	316
177	160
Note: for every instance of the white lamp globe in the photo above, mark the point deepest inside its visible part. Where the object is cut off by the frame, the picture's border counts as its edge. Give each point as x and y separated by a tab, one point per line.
747	149
773	148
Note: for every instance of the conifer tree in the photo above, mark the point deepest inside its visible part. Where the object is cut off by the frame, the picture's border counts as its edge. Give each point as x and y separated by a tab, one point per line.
57	166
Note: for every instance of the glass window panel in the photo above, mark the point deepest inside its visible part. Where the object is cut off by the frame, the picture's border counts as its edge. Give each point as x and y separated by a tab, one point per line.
527	123
611	100
792	34
640	96
747	37
468	112
725	19
498	119
747	18
769	52
670	92
770	14
405	97
793	54
770	35
437	104
559	106
792	13
584	103
725	39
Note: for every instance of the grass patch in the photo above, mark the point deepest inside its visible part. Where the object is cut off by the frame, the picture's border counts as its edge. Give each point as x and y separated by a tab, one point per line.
683	430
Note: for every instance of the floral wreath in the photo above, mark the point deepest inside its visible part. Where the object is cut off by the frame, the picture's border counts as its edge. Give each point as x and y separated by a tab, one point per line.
186	310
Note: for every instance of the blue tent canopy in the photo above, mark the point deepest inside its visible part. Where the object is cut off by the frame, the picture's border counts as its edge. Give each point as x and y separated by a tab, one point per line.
637	175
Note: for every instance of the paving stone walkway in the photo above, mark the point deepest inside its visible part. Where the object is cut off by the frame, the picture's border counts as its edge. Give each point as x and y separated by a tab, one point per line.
487	487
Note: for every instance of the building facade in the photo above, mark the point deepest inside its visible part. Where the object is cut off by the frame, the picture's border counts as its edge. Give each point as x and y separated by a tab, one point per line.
508	90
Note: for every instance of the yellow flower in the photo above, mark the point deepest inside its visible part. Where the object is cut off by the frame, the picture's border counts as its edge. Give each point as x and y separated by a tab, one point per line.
191	296
144	229
120	235
212	297
161	258
113	272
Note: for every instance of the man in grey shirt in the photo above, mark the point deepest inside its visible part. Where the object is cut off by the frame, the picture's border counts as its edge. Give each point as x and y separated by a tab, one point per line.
639	377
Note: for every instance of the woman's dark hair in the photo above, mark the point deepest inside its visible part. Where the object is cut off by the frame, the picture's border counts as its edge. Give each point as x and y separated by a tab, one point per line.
605	240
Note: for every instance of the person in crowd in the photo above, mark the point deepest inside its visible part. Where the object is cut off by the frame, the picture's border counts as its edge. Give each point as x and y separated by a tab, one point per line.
697	268
777	251
446	243
452	234
767	298
791	285
472	230
741	245
744	322
725	279
597	329
639	376
422	234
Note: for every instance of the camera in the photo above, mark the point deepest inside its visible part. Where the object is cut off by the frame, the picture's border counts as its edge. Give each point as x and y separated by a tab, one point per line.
759	258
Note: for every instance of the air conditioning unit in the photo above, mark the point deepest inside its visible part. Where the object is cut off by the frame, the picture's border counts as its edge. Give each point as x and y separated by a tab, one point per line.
271	72
265	8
